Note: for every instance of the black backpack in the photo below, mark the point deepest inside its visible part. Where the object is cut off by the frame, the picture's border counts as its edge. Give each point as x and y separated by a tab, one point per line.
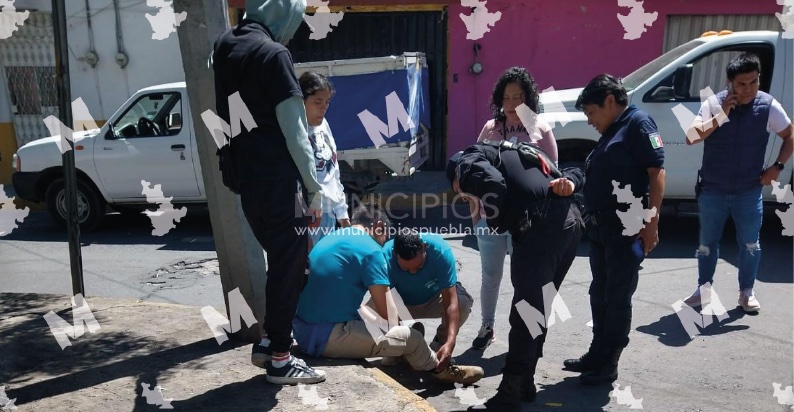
530	153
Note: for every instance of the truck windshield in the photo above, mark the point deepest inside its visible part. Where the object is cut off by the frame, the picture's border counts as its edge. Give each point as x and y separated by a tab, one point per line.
639	76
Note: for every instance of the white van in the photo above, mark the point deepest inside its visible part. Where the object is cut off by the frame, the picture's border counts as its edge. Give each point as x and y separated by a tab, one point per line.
677	77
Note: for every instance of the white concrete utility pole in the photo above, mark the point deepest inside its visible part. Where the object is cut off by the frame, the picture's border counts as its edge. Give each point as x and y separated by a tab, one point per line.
240	257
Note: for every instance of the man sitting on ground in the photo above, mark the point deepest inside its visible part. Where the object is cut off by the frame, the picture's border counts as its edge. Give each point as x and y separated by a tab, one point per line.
343	267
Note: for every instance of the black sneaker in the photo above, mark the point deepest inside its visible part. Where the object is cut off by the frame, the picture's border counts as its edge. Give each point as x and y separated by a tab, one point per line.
484	338
294	372
260	355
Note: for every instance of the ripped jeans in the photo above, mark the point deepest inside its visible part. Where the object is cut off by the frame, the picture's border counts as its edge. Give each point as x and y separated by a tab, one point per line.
746	209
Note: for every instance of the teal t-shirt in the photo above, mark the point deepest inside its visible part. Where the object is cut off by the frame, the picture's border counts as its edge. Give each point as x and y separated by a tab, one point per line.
438	272
342	268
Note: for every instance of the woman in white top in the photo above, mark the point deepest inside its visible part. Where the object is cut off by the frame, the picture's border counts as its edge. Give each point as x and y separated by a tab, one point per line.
317	93
514	87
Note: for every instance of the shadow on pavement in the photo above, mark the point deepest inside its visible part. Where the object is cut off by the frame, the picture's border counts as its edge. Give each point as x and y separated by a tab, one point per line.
192	233
17	304
36	367
255	394
671	332
571	395
567	395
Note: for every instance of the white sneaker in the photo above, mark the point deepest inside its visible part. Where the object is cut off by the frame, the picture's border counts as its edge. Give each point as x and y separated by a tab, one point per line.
748	302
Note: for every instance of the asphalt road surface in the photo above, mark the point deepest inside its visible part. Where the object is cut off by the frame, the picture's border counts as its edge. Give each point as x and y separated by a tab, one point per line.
731	365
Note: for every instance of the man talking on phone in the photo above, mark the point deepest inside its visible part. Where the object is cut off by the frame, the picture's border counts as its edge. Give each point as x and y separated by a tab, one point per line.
734	126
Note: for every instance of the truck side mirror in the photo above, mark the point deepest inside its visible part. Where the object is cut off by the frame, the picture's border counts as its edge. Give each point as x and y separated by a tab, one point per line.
110	134
174	120
682	80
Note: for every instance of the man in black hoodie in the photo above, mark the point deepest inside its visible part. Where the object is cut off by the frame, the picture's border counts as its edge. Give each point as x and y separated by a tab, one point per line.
523	193
275	166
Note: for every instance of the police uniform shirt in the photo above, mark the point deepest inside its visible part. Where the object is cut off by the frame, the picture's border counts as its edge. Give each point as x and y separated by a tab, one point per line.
626	150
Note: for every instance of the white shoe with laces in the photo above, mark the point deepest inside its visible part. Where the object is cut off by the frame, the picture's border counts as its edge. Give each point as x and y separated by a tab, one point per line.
293	371
748	302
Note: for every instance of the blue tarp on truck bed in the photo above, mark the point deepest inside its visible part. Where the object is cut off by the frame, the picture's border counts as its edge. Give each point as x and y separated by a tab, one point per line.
357	93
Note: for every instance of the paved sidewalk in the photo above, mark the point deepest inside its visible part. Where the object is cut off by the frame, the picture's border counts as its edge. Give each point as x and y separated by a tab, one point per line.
151	344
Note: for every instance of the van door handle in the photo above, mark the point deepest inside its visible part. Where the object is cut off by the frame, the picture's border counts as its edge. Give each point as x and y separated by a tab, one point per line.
177	147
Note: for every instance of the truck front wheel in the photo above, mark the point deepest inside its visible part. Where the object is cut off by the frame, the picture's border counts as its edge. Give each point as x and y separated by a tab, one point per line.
90	208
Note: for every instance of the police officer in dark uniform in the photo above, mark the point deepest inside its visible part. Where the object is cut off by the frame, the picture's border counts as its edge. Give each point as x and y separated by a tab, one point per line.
523	193
630	153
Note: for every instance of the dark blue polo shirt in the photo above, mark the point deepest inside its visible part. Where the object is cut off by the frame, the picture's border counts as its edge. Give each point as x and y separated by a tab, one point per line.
625	151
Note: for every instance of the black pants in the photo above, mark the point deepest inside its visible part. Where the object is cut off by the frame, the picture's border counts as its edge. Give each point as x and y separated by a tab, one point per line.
279	226
541	255
615	270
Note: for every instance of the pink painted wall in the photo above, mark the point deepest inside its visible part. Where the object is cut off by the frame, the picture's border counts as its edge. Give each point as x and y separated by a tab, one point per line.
563	43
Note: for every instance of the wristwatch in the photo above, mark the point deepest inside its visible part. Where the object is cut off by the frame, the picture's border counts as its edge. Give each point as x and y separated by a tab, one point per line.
779	165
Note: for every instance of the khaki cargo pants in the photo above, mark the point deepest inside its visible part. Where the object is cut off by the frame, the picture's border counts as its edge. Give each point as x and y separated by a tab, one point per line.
352	340
434	309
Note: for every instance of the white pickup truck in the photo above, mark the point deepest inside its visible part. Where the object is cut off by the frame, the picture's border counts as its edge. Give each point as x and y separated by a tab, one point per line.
151	137
112	163
677	77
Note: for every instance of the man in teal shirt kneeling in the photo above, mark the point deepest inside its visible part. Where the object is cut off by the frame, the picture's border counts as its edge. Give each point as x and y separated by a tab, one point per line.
422	271
343	267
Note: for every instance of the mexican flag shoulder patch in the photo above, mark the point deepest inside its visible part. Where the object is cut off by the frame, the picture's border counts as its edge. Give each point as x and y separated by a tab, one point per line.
656	140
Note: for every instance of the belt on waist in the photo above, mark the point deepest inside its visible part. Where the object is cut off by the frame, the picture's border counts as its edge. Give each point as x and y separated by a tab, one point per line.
601	217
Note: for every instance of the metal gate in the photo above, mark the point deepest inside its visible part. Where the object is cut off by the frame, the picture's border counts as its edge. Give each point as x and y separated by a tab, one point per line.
377	34
28	64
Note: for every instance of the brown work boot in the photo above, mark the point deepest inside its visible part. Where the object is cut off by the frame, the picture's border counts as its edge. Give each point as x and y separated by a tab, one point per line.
460	374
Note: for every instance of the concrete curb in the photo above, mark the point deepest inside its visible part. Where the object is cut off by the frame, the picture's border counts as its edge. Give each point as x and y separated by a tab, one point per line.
417	402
